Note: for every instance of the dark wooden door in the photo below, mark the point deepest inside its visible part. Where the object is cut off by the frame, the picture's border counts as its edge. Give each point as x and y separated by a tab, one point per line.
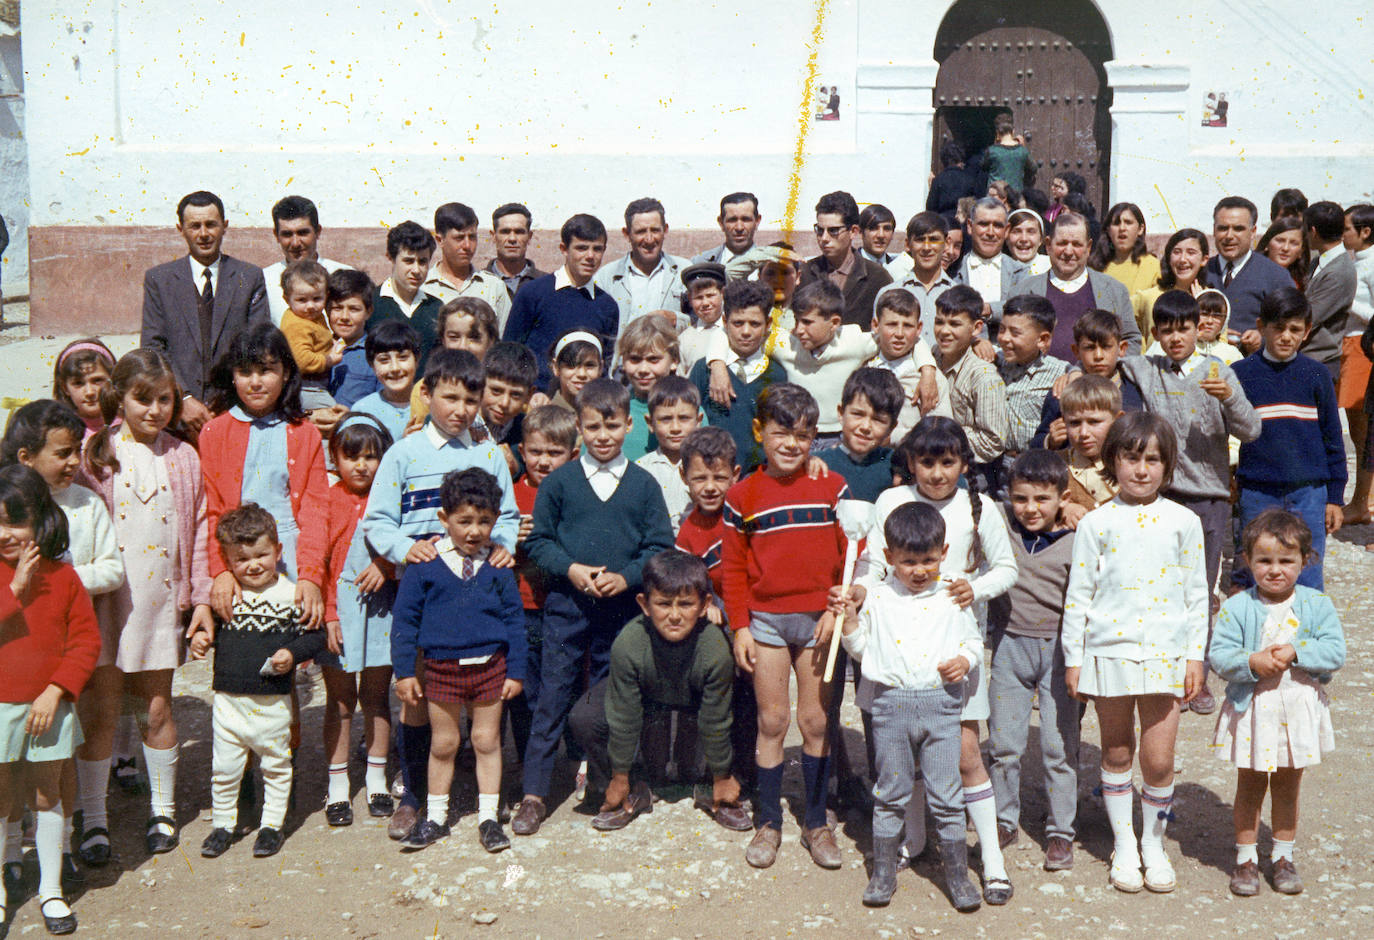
1041	61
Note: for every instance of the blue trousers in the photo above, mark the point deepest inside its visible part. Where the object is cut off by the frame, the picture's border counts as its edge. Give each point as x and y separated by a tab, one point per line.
1307	503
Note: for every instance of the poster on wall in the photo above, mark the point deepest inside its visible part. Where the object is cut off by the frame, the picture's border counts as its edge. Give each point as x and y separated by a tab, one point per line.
828	103
1214	108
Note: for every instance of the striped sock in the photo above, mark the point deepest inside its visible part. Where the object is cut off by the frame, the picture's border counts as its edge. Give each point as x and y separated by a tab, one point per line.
338	783
375	779
1156	809
1119	799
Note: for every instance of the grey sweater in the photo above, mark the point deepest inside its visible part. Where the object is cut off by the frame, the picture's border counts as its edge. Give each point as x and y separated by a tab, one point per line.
1035	604
1201	422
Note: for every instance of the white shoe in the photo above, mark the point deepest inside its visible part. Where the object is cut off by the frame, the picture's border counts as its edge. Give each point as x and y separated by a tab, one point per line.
1125	874
1159	875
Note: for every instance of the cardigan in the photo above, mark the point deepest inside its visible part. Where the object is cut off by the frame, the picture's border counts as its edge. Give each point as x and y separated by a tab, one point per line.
263	622
345	513
1239	631
92	549
49	638
310	342
226	438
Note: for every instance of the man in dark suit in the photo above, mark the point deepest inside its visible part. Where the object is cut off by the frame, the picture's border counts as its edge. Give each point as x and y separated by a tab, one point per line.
194	306
1244	276
1331	286
837	227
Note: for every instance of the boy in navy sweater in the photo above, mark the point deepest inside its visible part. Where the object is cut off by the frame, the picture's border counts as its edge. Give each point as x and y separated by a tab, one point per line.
597	520
458	639
869	405
1299	419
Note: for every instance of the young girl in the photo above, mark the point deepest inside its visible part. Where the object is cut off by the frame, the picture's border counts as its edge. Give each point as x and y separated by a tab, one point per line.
49	643
648	351
1135	629
577	359
978	566
361	590
80	374
1120	251
151	485
1276	644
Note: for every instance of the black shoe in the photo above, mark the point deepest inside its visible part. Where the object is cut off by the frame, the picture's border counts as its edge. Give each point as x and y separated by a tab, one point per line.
94	854
126	775
268	842
380	805
492	837
16	885
216	843
71	875
339	814
157	842
426	833
60	925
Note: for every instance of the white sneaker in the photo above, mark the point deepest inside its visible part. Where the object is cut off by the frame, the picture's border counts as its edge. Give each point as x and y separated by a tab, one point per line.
1125	874
1159	875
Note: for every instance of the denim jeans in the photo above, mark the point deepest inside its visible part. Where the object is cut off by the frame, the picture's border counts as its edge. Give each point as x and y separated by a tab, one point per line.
1306	502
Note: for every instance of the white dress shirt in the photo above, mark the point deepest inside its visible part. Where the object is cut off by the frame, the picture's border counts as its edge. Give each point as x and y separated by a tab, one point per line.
388	289
198	274
668	475
439	438
754	365
562	279
985	276
603	478
903	637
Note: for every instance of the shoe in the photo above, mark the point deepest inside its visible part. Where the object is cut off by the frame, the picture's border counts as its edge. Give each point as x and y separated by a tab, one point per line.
882	883
1245	880
997	891
639	800
1286	880
426	833
268	842
380	805
62	924
402	821
339	814
1159	876
1204	704
1058	854
962	894
16	886
492	836
820	842
94	854
762	850
1125	875
71	875
158	842
1007	836
126	776
580	783
216	843
528	817
732	816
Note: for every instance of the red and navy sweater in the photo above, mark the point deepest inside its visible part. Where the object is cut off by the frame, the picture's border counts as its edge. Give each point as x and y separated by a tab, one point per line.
702	535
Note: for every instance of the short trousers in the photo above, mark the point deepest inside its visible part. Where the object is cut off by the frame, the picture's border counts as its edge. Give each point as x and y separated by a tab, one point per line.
1355	369
446	681
784	629
59	742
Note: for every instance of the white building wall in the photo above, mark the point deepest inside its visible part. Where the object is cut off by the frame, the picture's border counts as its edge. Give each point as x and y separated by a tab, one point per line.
14	166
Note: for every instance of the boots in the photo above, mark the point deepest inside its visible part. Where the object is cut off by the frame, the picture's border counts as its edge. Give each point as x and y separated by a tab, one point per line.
883	883
962	894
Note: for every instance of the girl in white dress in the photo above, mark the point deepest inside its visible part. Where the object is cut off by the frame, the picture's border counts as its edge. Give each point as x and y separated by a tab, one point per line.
1276	644
1134	636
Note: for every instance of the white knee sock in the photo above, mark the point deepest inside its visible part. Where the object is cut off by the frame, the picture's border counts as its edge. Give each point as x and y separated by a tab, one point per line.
487	804
1156	805
375	780
982	811
92	784
14	841
338	783
1119	799
438	808
47	840
162	781
1281	850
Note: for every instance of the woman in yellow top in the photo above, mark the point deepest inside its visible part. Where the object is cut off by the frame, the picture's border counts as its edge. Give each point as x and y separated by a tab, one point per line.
1120	250
1185	257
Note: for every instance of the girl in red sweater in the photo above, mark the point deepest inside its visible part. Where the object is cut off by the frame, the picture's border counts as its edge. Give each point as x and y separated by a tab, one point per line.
49	643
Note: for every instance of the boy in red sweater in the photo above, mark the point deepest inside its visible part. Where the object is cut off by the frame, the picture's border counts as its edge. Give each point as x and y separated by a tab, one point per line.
776	604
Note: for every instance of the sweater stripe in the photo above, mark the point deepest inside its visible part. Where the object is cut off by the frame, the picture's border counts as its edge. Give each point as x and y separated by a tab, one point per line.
1287	410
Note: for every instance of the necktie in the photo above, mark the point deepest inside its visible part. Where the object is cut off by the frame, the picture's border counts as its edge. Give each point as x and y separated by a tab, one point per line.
742	371
205	313
1230	270
469	569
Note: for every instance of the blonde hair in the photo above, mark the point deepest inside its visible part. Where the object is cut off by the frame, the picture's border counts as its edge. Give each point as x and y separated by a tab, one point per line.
646	333
1090	393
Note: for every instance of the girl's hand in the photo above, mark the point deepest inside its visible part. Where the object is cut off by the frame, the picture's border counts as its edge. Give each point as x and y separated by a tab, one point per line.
370	581
422	550
42	710
23	571
200	645
1263	664
721	391
953	669
408	691
1071	674
511	688
1285	655
961	592
1192	680
500	558
224	593
311	604
334	637
202	621
816	468
746	651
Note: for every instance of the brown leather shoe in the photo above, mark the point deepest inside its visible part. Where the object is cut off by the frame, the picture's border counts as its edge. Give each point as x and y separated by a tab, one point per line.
1245	880
639	800
528	817
732	816
820	842
402	821
763	848
1007	835
1286	880
1058	854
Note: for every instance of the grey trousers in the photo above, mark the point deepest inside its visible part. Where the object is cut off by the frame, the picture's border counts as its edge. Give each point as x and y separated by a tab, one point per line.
912	725
1021	667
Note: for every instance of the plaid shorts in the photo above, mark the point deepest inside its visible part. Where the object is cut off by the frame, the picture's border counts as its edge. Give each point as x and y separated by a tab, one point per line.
446	681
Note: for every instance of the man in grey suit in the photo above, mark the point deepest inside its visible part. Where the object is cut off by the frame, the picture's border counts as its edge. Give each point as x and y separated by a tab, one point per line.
739	221
1074	289
194	306
993	274
1330	287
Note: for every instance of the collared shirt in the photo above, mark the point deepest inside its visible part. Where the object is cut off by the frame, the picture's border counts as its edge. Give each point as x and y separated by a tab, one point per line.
926	296
1325	258
754	365
1264	351
454	560
978	401
518	280
841	274
985	275
603	478
637	293
1233	266
1027	385
562	279
440	439
481	284
1072	286
882	260
668	476
1091	476
198	274
388	289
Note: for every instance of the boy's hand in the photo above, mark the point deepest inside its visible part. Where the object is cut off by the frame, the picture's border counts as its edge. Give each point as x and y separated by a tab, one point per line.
224	593
511	688
42	710
1334	517
200	645
616	791
1250	341
609	584
538	400
1071	674
526	527
983	349
23	571
961	592
724	791
953	669
408	691
511	464
746	650
1071	514
1217	388
1062	382
714	614
824	627
499	557
1192	680
583	578
310	602
816	468
334	637
371	580
282	662
1058	434
722	393
927	390
422	550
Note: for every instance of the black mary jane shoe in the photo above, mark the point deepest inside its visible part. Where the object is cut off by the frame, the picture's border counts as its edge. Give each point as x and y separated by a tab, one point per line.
268	842
380	805
158	842
94	854
216	843
339	814
58	926
72	877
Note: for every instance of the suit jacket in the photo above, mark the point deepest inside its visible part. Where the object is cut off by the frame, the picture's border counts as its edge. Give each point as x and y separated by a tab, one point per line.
1013	272
1109	293
860	288
1330	293
171	325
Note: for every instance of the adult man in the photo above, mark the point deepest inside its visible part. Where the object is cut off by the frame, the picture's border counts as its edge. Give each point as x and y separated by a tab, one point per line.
1330	286
986	269
646	279
1242	275
296	225
194	306
739	222
925	275
453	275
837	226
511	229
1074	289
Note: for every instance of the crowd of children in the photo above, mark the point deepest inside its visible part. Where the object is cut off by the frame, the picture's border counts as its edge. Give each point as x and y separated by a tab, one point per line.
458	499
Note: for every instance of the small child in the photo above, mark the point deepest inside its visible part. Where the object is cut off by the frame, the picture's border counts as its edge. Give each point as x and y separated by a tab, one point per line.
393	352
869	405
1027	370
462	323
1134	636
1276	644
648	351
79	375
305	285
576	359
256	652
897	329
914	692
706	284
1098	346
349	306
1090	406
977	394
674	412
462	616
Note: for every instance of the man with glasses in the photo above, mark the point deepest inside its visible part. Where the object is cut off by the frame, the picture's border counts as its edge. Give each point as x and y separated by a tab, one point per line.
837	226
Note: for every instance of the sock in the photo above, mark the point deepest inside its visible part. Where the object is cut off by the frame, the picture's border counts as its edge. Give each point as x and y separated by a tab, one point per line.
67	827
5	839
375	780
815	775
338	783
1281	850
1247	853
92	783
438	808
126	739
982	812
1155	804
487	804
47	841
770	797
14	842
295	736
1119	799
413	743
162	783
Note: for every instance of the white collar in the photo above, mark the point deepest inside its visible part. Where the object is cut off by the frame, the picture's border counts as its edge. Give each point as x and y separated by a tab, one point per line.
1264	351
976	260
439	438
562	279
1069	287
615	466
449	553
1235	265
198	270
732	357
388	289
1331	254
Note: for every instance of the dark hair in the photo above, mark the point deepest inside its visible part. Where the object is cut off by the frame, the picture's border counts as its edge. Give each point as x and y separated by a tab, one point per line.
1003	123
1074	182
200	199
29	426
359	434
923	223
1104	252
582	227
1284	527
961	299
875	214
574	351
1167	279
839	203
934	436
741	294
307	272
512	363
606	397
643	205
1236	202
554	422
261	345
1131	434
474	307
914	527
1327	218
710	444
244	525
135	371
1361	216
1298	268
75	360
1040	467
675	572
511	208
951	154
25	498
1100	326
1036	199
347	282
1213	303
1078	204
453	215
1284	303
1038	308
1287	201
409	236
672	390
734	199
391	336
819	295
454	365
880	387
788	405
900	301
1174	307
295	207
473	487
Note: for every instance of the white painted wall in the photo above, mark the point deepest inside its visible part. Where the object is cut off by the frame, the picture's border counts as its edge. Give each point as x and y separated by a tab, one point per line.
14	166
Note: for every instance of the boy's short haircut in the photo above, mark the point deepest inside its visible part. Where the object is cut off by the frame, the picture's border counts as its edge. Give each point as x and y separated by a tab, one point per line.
673	389
915	527
961	299
644	205
1287	201
923	223
787	405
1099	327
875	214
409	236
512	363
820	295
473	487
647	333
741	295
1361	216
391	336
1236	202
951	154
898	300
200	199
1174	307
314	274
1037	308
1090	393
454	365
1131	434
880	386
554	423
512	208
1284	303
1041	468
347	282
711	444
295	207
1213	303
582	227
359	435
1327	218
244	525
675	572
839	203
453	215
474	307
1284	527
606	397
734	199
1003	123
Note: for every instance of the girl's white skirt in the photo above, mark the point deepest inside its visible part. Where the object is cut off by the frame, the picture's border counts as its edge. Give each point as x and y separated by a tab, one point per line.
1110	678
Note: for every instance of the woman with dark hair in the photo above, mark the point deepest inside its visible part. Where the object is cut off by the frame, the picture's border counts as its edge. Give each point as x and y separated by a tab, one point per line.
1284	242
1063	184
1120	250
1185	257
